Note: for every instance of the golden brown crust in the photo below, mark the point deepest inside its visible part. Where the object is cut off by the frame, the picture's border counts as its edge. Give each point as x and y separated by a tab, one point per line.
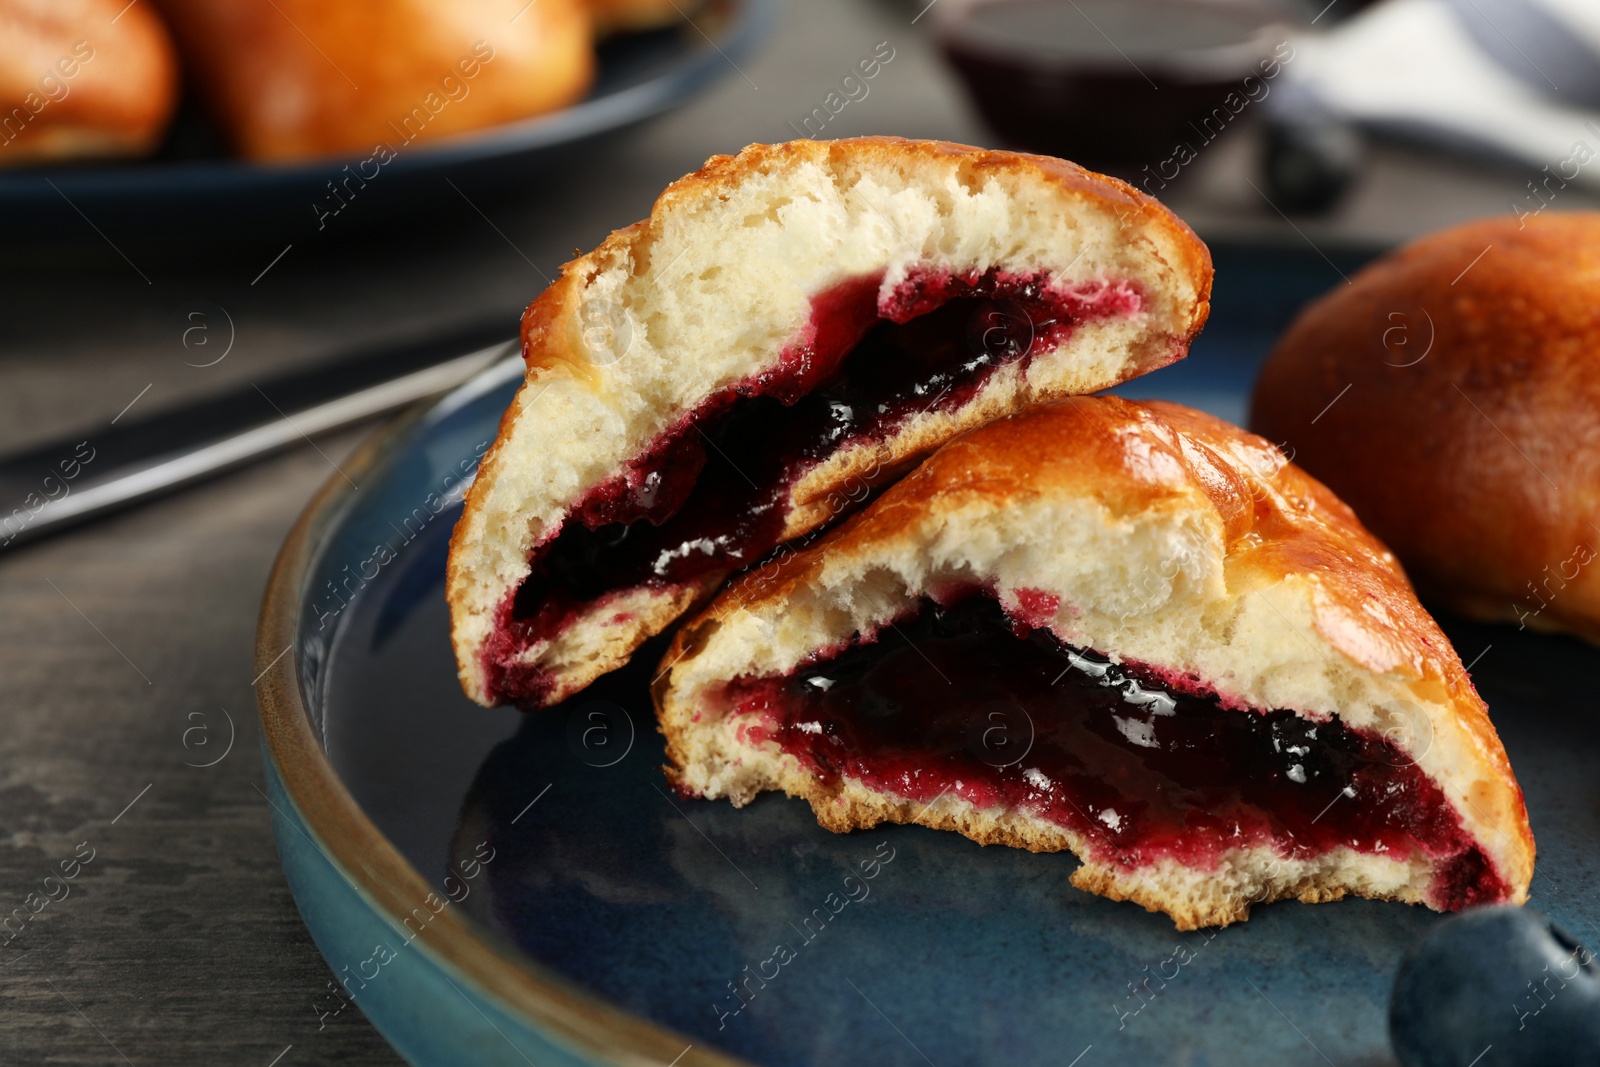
82	78
1276	521
1466	427
295	78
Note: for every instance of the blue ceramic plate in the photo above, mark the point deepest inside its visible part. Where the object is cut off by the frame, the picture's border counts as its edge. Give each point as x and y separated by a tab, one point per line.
498	888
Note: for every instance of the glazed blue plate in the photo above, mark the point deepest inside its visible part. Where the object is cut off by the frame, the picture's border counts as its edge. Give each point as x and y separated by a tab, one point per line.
494	888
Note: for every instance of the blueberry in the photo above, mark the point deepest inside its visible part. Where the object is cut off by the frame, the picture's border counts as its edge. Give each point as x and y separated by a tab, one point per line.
1310	162
1497	987
1310	155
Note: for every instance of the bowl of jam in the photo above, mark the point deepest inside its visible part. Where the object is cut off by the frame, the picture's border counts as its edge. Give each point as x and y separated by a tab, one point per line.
1136	88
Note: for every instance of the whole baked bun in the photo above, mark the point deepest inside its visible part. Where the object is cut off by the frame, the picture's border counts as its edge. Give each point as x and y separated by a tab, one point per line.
790	327
1451	395
82	79
1131	631
289	79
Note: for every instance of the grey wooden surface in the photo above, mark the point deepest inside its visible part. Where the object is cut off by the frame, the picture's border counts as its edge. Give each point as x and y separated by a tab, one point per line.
178	942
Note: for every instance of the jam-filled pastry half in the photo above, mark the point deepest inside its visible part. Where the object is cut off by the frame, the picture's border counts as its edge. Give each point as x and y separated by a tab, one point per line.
789	327
1131	631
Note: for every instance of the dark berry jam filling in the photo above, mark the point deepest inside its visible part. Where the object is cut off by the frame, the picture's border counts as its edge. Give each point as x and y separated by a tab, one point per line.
712	493
966	700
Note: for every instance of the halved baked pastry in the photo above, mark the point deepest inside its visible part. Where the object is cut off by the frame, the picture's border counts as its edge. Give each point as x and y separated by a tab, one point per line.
1131	631
789	327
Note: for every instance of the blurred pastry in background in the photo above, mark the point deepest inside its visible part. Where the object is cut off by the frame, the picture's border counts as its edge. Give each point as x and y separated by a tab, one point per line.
82	79
1450	394
626	16
287	79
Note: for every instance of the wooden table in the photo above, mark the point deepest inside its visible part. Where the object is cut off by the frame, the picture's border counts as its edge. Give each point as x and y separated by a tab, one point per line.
125	646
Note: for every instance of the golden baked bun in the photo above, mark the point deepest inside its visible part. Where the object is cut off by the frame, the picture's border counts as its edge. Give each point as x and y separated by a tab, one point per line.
790	327
82	79
289	79
1451	395
1131	631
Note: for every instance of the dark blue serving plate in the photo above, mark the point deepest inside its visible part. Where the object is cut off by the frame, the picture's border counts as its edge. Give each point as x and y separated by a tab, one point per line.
545	897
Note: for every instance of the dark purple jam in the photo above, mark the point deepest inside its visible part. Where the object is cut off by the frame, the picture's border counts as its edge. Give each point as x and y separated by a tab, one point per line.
966	700
712	494
730	475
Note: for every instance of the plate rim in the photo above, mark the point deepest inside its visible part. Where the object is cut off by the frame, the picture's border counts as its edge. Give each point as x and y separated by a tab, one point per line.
560	1008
